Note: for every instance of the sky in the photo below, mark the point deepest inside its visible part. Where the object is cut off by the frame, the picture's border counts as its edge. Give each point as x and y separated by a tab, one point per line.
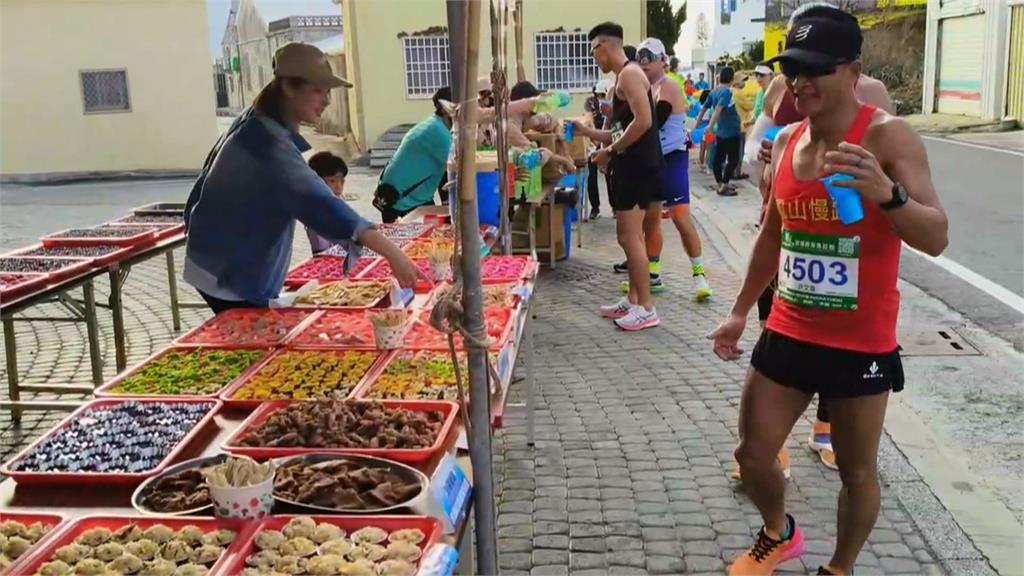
217	16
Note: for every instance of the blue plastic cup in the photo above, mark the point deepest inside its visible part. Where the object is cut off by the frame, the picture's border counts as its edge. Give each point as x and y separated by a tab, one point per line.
570	130
846	200
772	133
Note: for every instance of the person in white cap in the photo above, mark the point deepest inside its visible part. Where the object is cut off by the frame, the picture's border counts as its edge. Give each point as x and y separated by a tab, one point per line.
763	74
599	107
241	212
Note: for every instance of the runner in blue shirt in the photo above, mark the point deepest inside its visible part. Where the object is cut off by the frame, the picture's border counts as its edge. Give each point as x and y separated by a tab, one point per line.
725	122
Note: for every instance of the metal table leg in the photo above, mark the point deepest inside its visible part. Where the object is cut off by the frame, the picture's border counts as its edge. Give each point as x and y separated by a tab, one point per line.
531	227
11	351
117	313
93	332
531	388
172	283
581	207
552	230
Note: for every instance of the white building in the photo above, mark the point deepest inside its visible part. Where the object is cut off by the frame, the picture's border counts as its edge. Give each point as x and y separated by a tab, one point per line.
717	27
257	28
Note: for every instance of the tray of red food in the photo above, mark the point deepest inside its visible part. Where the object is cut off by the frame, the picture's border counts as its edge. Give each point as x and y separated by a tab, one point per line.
17	284
24	534
184	371
302	375
55	269
242	327
422	336
387	545
100	255
408	431
181	545
325	269
105	234
111	442
381	270
501	269
335	328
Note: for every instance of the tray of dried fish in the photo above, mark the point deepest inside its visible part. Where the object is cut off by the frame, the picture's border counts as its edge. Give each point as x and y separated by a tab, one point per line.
347	484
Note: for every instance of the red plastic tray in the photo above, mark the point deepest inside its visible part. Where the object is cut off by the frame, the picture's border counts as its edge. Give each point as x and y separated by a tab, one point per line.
73	267
439	289
164	229
408	230
147	235
417	248
226	395
107	390
381	270
56	524
500	269
417	456
119	254
423	336
216	332
243	528
334	322
18	283
324	269
107	478
384	301
349	524
160	209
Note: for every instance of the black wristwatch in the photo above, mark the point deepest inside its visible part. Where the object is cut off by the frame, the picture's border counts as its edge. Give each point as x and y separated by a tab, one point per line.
899	198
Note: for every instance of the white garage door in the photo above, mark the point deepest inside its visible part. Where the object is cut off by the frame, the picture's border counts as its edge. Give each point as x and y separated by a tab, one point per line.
960	57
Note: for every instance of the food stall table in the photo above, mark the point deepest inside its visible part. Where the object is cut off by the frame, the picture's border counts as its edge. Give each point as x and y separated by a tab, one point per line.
80	310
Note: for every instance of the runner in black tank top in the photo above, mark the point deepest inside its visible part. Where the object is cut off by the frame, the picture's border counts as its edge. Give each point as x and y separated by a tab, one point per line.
634	171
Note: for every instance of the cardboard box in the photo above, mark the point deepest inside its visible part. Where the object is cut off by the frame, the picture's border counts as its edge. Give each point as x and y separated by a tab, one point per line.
521	242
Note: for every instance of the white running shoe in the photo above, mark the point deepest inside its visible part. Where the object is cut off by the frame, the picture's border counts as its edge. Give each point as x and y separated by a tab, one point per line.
703	288
638	319
618	310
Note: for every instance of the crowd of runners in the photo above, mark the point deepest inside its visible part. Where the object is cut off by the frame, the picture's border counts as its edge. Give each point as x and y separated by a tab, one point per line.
824	282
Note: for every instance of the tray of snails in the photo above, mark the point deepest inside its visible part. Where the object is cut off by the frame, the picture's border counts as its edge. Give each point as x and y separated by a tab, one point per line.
327	545
157	546
21	533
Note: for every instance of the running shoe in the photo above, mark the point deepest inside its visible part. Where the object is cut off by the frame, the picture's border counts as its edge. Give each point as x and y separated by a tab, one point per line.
618	310
727	190
657	285
621	268
703	288
767	553
783	457
823	571
820	441
638	319
595	214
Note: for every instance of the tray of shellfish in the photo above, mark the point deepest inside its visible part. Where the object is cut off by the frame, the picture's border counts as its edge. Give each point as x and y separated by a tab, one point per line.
104	545
322	545
22	534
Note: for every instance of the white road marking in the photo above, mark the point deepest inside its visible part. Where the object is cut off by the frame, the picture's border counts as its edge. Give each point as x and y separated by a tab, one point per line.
977	280
969	144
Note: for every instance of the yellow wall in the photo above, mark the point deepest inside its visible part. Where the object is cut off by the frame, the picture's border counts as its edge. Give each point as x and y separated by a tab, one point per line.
375	59
775	32
162	44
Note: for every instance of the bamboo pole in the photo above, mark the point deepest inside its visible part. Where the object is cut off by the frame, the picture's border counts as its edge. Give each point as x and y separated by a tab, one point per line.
464	27
520	69
499	87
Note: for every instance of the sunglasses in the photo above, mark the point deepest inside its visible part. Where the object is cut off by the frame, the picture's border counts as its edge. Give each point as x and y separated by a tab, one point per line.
793	70
645	56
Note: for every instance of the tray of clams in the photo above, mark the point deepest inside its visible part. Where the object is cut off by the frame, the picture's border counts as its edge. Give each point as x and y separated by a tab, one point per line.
103	545
330	545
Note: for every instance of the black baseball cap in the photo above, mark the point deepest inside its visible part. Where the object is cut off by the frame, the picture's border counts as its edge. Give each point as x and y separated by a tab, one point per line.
521	90
821	44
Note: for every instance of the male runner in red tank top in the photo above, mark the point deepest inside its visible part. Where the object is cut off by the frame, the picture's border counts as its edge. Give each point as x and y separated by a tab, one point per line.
832	329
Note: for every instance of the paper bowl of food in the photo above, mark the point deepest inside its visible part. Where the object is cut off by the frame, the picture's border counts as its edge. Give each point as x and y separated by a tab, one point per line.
389	328
180	490
241	488
439	257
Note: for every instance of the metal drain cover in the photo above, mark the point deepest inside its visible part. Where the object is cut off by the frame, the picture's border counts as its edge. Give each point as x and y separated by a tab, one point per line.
937	342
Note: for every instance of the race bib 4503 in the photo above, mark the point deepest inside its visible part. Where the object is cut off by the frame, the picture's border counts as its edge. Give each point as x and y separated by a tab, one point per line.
818	271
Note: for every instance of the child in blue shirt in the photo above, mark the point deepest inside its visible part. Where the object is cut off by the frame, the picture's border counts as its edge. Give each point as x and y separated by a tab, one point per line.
333	170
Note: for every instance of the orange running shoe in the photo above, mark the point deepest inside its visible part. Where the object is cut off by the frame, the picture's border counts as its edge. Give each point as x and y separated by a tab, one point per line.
767	553
736	475
820	441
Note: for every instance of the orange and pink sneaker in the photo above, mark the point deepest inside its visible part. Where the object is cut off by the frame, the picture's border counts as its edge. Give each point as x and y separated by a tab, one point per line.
767	553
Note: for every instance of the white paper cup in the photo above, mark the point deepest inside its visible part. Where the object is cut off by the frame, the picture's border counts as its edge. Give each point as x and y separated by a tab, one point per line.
388	337
250	502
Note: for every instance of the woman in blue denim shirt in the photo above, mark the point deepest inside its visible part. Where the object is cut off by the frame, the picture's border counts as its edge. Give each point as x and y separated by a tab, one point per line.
240	215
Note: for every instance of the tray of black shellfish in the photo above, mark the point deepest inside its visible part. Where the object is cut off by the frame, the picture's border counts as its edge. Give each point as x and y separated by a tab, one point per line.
112	442
168	546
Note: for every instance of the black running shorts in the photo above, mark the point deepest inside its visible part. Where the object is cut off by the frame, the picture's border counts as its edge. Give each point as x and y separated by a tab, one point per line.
828	372
631	188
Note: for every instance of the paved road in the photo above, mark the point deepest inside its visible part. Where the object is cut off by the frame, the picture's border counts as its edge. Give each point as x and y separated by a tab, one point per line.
981	183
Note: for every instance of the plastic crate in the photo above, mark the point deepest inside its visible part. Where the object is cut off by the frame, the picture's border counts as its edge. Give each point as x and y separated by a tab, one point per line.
146	235
214	332
119	253
71	267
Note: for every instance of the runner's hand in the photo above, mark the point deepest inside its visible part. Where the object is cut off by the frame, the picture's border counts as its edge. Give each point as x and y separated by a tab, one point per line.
406	272
725	339
869	179
601	158
764	154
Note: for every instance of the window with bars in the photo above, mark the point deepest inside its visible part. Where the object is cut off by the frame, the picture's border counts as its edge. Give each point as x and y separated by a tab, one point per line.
105	91
563	61
426	65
